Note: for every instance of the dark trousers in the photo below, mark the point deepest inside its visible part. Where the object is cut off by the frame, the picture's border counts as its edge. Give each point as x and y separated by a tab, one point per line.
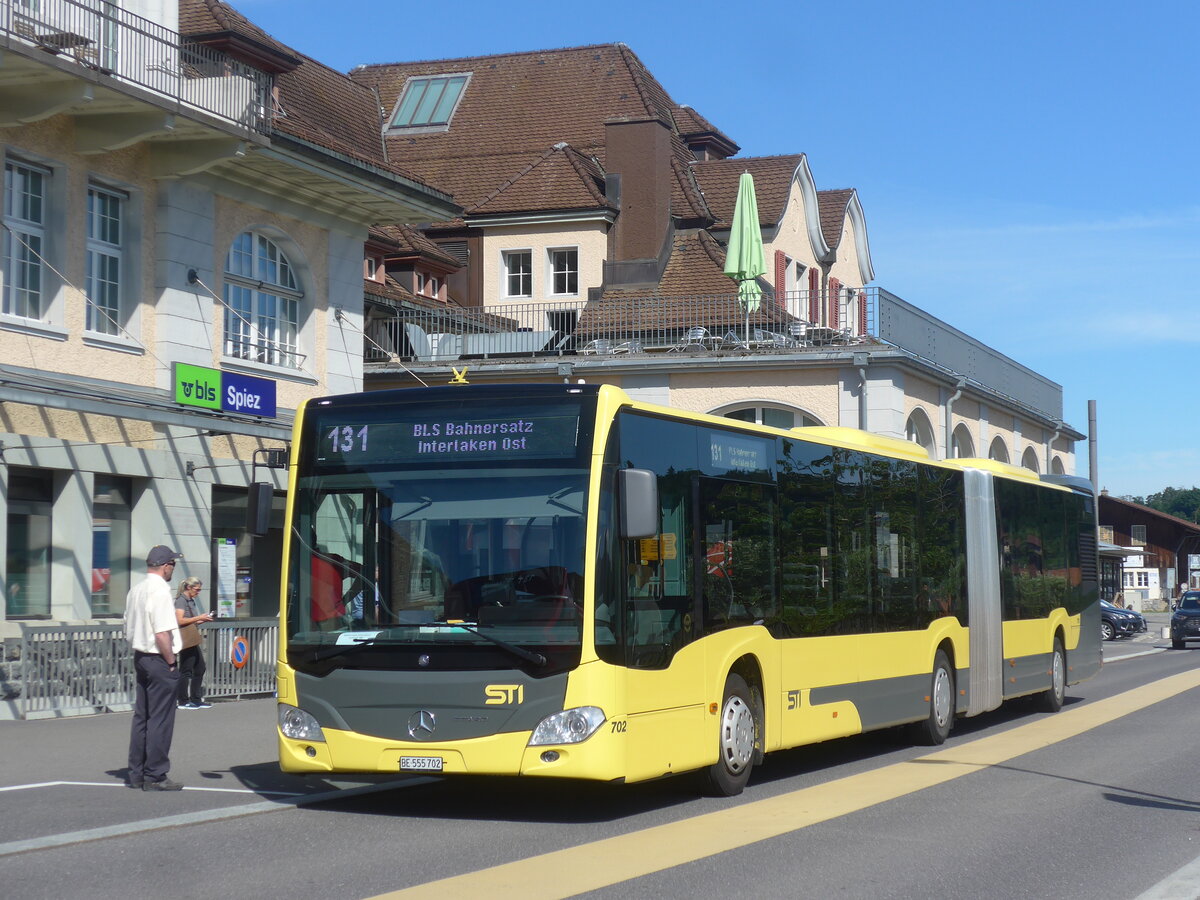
191	675
153	718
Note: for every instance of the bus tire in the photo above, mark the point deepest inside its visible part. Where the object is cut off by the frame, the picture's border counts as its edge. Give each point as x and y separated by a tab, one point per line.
935	728
1052	700
737	740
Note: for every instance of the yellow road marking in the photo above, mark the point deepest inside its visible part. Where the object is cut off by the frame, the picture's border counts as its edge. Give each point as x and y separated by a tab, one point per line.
599	864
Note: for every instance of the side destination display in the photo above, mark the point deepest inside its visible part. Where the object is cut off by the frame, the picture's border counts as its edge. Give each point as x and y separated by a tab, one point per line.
229	392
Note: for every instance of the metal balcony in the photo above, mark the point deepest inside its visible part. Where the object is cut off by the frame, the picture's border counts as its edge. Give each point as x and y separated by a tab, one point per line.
104	39
794	322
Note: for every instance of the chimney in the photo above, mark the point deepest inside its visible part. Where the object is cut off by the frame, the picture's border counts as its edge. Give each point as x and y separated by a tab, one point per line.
638	154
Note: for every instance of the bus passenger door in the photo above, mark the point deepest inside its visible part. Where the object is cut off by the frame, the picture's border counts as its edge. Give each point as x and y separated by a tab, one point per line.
665	674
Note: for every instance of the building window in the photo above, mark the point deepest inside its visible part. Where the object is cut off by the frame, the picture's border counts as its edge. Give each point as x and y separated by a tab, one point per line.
918	430
262	303
111	553
429	285
104	213
961	445
775	417
1137	534
29	540
998	450
564	271
25	190
372	268
1143	579
429	101
518	273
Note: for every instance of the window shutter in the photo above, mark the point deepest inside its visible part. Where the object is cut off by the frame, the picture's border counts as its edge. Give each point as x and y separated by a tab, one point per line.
862	312
835	303
814	296
780	278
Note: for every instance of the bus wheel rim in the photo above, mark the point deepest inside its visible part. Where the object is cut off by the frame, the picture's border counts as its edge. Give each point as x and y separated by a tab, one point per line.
737	734
941	697
1059	675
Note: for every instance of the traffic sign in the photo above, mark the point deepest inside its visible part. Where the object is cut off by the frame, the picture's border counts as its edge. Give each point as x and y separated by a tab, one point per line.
239	652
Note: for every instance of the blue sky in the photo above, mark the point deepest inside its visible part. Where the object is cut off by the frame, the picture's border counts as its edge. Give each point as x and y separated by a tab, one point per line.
1027	169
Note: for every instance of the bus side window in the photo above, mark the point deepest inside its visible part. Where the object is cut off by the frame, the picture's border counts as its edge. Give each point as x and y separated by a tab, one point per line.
737	531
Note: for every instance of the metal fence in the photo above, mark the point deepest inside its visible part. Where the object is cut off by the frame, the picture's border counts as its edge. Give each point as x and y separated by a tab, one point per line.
72	670
784	322
793	320
105	38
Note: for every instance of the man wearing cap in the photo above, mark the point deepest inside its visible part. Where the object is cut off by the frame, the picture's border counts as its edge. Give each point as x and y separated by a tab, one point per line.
153	633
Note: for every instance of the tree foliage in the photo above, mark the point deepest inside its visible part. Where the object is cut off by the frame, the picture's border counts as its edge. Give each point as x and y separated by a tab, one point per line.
1183	503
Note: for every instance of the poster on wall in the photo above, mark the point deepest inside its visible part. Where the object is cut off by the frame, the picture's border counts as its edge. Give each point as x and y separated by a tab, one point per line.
226	556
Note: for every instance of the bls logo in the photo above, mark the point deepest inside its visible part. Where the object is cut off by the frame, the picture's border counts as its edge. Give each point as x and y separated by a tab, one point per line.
503	694
199	391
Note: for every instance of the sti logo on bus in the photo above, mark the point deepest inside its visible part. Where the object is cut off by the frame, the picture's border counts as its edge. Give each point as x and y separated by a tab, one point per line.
503	694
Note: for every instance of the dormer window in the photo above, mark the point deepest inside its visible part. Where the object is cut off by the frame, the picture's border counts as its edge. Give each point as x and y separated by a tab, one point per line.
429	102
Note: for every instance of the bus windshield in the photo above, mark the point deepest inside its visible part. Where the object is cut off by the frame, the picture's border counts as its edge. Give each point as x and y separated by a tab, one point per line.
440	529
471	557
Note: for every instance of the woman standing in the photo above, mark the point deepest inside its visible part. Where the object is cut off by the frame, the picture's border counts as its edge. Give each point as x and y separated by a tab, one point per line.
191	659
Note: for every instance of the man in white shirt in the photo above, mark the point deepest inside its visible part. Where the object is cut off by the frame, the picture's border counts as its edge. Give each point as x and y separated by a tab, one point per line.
152	630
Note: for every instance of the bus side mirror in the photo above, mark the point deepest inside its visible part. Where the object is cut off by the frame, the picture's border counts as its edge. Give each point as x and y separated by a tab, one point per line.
638	494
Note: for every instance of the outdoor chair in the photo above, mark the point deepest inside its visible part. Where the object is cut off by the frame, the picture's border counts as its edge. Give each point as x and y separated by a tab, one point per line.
695	338
598	347
798	334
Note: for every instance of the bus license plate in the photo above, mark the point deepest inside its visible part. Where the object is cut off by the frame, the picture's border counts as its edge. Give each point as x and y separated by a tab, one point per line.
420	764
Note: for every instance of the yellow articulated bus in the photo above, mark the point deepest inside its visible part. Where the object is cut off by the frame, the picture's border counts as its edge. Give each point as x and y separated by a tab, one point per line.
558	581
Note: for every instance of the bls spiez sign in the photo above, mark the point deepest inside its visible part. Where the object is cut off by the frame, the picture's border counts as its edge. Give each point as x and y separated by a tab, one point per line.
226	391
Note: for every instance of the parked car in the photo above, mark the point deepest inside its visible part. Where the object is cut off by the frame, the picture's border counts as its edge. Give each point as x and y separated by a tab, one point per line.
1185	620
1118	623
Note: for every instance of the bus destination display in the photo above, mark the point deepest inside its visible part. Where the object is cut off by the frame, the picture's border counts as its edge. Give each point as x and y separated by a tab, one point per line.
449	438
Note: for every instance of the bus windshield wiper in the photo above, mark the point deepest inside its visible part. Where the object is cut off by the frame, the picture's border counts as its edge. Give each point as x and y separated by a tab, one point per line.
339	649
531	656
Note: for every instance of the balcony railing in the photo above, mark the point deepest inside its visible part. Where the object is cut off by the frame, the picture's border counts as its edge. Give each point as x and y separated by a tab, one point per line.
791	322
101	36
619	325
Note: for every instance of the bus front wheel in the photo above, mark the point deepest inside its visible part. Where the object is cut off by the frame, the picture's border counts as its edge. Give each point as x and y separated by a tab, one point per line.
935	728
736	741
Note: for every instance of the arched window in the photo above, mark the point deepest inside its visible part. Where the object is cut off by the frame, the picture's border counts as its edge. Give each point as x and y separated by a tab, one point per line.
1056	466
775	416
998	451
919	431
262	303
962	447
1029	460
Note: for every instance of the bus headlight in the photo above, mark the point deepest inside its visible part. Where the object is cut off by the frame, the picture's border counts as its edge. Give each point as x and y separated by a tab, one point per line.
298	725
571	726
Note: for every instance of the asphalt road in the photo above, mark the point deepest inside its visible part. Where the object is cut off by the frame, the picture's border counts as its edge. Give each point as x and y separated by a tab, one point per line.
1097	801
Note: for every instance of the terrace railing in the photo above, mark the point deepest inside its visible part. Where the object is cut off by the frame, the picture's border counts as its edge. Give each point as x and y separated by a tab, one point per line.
103	37
617	325
791	322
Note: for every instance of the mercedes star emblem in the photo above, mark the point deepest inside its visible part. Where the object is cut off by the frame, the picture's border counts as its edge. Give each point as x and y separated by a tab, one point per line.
422	724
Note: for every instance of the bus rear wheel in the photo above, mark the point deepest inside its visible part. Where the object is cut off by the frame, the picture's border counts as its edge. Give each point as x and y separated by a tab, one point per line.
935	728
737	740
1052	700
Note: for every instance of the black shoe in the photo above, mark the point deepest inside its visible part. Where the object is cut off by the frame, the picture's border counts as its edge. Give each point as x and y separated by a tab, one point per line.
136	785
188	706
165	785
201	704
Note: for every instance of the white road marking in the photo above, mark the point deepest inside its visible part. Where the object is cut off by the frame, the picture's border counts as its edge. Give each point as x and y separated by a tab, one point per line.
193	818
